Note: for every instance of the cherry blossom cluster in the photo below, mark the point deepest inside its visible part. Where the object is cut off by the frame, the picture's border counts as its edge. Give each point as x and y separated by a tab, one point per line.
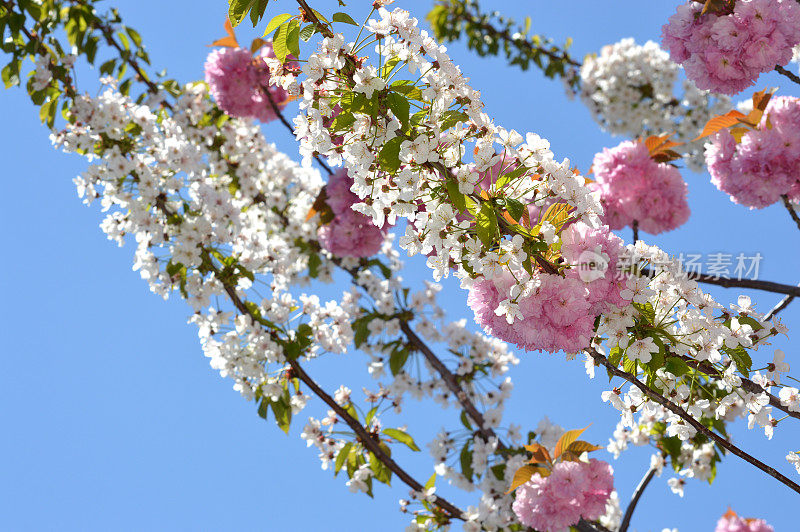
726	51
555	313
350	233
730	522
635	188
765	163
239	82
572	490
697	332
630	90
182	217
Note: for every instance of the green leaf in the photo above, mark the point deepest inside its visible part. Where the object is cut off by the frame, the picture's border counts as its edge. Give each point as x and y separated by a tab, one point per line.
740	357
344	452
752	322
238	9
677	366
407	88
465	420
308	32
389	156
276	21
466	461
431	482
504	179
361	328
387	68
398	360
382	473
293	38
515	208
279	42
402	437
314	262
451	118
629	365
458	199
263	407
257	12
345	18
400	107
282	409
487	224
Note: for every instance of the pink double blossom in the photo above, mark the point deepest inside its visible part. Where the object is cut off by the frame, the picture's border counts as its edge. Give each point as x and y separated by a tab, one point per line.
727	53
350	234
633	186
766	163
239	81
559	313
573	490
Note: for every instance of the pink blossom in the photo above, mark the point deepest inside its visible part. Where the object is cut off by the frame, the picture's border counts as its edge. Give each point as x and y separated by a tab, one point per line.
555	314
559	314
633	186
730	522
574	490
350	233
766	163
238	82
727	53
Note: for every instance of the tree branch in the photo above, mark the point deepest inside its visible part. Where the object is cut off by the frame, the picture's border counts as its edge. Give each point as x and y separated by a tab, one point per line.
728	282
782	304
452	383
626	520
790	208
791	75
361	432
699	427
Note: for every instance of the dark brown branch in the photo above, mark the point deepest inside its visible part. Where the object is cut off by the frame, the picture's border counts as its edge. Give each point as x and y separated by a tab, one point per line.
626	520
364	437
699	427
727	282
451	381
289	126
790	208
791	75
782	304
635	228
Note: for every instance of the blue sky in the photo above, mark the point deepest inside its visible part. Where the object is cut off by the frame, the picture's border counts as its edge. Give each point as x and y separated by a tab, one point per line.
114	420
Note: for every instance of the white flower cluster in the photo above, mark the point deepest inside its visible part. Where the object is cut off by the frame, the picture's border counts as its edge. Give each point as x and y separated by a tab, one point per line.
630	90
702	339
453	122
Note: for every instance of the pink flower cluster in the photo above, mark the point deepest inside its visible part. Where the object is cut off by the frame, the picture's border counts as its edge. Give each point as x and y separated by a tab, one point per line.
574	490
633	186
350	233
766	164
238	81
727	53
559	313
731	522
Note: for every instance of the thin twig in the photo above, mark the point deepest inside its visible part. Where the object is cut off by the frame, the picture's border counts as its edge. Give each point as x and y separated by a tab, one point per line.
791	75
452	383
289	126
782	304
728	282
364	437
699	427
626	520
635	227
790	208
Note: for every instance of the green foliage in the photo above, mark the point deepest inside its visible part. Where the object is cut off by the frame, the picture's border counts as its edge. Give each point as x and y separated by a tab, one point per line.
493	34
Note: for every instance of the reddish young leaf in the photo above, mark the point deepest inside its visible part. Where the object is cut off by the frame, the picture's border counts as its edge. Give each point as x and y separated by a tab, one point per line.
229	41
731	118
567	439
524	474
539	452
